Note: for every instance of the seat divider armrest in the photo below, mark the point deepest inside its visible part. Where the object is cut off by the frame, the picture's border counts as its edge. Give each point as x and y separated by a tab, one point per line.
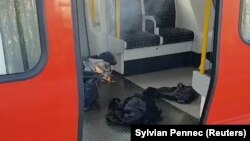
150	18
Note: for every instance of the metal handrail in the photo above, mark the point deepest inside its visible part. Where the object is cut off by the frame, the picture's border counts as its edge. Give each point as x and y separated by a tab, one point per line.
205	36
118	17
92	11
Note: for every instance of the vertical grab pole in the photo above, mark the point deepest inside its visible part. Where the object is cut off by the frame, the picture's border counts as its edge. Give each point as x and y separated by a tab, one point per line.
205	36
118	17
3	69
92	11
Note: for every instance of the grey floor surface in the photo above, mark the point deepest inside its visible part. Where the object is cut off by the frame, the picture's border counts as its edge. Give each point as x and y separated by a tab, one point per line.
170	78
96	127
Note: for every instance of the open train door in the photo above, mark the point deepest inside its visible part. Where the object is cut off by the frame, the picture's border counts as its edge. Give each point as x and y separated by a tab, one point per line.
38	82
229	100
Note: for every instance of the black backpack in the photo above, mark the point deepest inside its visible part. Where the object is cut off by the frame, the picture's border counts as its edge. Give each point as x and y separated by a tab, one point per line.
138	109
181	94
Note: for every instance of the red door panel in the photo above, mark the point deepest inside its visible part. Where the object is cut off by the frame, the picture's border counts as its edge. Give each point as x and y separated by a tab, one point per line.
231	101
45	108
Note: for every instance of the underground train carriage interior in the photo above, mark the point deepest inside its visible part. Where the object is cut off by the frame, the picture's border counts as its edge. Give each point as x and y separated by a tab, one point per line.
148	47
141	63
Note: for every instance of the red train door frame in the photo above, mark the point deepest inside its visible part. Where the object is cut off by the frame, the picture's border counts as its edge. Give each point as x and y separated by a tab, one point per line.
44	103
78	32
229	99
215	56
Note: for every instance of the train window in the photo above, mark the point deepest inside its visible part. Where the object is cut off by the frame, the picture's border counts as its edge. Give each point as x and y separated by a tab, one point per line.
245	20
20	48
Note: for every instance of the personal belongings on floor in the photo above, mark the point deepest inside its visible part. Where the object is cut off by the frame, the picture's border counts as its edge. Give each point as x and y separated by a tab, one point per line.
108	57
91	88
100	64
181	94
138	109
151	92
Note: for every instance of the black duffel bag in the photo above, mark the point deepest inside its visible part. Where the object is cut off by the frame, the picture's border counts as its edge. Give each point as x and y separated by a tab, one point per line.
138	109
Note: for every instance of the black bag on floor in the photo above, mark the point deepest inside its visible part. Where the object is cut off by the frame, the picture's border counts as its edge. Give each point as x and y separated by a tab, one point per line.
181	94
138	109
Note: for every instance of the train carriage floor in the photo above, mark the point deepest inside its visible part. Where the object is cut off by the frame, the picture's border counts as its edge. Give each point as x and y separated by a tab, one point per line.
95	127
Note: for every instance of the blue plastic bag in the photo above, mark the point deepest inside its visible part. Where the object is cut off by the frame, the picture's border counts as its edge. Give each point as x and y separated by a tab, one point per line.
91	89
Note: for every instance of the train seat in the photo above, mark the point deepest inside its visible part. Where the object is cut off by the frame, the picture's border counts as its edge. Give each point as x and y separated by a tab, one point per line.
131	26
162	13
176	35
141	39
147	35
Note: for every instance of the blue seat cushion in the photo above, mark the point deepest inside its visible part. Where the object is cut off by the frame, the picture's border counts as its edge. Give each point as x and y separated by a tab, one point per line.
140	40
163	11
176	35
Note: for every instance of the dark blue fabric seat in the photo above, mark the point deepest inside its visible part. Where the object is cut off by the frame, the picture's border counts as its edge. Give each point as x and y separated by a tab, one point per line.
165	15
176	35
141	39
131	26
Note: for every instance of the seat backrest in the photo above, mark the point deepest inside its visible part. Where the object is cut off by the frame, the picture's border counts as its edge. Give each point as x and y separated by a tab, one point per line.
163	11
131	16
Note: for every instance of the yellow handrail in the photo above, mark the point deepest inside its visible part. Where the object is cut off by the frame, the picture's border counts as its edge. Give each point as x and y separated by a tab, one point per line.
118	17
205	36
92	11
